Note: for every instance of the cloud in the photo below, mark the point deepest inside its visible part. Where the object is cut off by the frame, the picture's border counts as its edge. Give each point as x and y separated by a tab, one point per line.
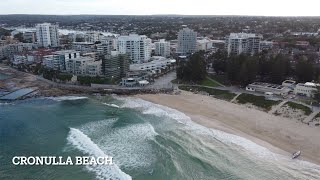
148	7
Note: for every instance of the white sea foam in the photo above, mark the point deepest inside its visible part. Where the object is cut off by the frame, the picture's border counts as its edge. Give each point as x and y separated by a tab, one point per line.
67	98
154	109
83	143
111	105
128	145
5	104
259	151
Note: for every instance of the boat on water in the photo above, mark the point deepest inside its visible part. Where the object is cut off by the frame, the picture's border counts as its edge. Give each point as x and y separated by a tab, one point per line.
296	154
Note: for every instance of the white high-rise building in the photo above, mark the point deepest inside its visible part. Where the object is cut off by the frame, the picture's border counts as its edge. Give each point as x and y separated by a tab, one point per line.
47	35
138	47
187	41
237	43
162	48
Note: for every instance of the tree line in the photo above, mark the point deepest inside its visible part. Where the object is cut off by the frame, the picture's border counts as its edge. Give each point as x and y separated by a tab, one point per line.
244	69
193	69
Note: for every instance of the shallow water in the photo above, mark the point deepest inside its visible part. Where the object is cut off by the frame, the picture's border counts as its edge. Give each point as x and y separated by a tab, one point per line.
146	141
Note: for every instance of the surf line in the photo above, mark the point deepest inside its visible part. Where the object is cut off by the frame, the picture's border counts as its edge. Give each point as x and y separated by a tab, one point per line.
61	161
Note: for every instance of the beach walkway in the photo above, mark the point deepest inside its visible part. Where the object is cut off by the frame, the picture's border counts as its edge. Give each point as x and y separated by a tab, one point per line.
274	109
311	116
216	82
235	97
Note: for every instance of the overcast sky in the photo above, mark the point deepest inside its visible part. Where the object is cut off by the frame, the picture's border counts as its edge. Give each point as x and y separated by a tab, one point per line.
151	7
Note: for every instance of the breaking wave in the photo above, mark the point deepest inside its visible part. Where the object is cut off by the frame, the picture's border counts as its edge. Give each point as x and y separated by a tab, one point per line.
83	143
67	98
111	105
299	168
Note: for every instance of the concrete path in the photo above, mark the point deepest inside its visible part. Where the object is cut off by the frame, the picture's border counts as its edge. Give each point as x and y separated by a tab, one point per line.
274	109
235	97
311	116
216	82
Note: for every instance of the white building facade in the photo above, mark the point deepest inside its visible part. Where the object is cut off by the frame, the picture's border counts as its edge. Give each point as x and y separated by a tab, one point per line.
138	47
307	89
47	35
237	43
162	48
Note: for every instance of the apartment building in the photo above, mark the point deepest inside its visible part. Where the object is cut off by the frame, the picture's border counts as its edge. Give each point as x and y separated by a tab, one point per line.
138	47
162	48
47	35
187	42
116	65
237	43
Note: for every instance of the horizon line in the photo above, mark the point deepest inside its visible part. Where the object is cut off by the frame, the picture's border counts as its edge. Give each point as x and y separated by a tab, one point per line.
155	15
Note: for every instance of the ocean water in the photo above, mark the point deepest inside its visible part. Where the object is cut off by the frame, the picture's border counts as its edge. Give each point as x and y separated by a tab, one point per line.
146	141
3	76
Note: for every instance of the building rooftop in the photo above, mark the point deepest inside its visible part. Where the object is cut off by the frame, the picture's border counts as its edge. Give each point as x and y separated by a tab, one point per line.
267	85
242	35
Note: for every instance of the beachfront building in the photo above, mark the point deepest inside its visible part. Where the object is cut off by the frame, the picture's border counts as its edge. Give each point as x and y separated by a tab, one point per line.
136	78
47	35
268	88
85	66
8	51
162	48
237	43
57	60
94	68
137	46
306	89
187	42
289	83
116	65
22	59
157	65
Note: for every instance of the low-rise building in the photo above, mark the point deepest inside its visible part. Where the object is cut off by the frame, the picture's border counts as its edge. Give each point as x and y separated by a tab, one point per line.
137	78
268	88
157	64
289	83
8	51
306	89
204	44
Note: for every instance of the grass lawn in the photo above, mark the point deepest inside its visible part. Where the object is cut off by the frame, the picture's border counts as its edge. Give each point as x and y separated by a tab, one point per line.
259	101
208	82
220	94
307	110
220	78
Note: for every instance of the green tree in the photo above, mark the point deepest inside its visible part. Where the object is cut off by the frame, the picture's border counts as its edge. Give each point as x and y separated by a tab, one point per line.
19	37
304	70
194	69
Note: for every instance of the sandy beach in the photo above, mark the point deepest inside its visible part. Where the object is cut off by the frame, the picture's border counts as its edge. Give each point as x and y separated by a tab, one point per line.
280	135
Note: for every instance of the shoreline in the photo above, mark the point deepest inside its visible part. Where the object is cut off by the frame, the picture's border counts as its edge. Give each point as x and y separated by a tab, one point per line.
279	135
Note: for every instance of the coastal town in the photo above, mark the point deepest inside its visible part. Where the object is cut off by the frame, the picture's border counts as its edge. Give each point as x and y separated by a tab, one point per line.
269	72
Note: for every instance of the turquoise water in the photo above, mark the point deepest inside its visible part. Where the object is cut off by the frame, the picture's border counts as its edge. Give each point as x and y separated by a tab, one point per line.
4	76
146	141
